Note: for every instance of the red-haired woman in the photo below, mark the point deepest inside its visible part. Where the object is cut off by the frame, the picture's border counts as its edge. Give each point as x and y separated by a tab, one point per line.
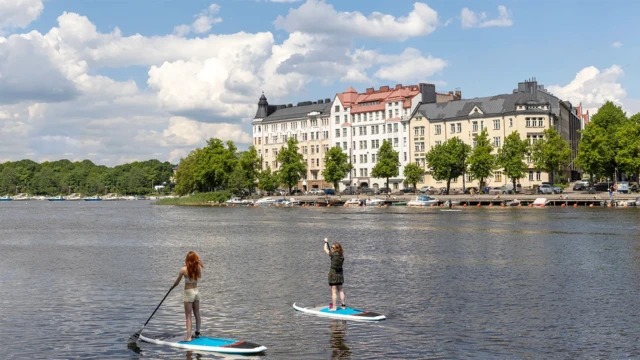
336	277
191	297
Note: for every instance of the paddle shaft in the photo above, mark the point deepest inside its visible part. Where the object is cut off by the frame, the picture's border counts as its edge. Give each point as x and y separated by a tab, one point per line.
154	311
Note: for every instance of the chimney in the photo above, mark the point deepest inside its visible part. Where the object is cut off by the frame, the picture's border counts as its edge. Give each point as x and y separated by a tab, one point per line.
458	94
428	92
398	86
320	101
327	100
369	91
384	88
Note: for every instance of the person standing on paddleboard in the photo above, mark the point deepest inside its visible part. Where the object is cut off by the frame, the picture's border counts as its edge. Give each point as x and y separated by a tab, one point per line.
336	277
191	297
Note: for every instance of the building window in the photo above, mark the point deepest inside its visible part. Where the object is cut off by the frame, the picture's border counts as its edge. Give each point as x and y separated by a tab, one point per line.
365	158
404	127
389	128
498	176
344	132
538	176
397	112
474	126
481	125
337	133
405	156
438	129
373	158
373	144
344	145
459	127
421	130
475	143
364	130
453	128
496	124
395	127
510	122
404	141
346	118
416	131
528	122
395	142
438	142
540	122
496	141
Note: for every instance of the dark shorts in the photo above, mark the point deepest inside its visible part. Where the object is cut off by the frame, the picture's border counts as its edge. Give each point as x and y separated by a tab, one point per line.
335	279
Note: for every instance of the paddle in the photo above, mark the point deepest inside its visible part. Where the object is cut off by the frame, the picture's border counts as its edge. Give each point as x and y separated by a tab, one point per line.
134	337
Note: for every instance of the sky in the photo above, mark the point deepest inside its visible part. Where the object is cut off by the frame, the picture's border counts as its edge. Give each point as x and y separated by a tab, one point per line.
116	81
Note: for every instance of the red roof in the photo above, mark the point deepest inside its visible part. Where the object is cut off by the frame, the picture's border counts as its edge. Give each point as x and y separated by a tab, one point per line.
351	98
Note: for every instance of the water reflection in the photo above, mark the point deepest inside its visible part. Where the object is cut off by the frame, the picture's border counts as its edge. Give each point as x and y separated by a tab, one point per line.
338	347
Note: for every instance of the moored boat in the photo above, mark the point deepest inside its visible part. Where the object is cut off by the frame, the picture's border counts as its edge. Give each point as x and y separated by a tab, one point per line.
93	198
423	200
375	202
6	198
57	198
353	202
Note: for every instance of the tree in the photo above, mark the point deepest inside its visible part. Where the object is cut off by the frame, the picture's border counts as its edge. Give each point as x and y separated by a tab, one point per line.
511	157
250	163
237	180
628	156
550	154
336	166
482	162
267	181
447	161
388	164
292	164
413	174
185	175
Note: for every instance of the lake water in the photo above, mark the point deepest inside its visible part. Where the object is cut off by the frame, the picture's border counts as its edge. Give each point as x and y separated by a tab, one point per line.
79	278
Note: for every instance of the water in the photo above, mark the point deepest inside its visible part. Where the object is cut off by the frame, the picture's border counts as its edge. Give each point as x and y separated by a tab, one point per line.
79	278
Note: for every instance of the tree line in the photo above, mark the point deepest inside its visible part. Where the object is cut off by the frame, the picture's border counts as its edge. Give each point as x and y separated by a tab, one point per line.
85	177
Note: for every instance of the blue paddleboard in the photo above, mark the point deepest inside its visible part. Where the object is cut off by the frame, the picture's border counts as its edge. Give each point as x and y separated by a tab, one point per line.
343	314
203	343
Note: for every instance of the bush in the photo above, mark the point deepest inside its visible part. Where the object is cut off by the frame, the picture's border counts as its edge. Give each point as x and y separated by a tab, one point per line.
197	199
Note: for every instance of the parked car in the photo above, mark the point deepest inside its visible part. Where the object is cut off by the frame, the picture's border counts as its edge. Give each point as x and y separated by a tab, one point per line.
329	192
591	190
368	191
547	188
385	190
408	190
496	190
508	188
351	191
603	186
579	186
426	189
297	192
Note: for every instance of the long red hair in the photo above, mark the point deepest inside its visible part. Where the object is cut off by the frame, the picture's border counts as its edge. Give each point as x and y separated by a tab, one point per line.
193	265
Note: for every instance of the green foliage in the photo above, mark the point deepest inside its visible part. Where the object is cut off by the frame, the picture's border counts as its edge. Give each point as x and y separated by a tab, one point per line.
482	162
250	163
267	180
628	156
197	199
511	157
597	150
388	164
293	167
238	180
336	166
550	154
448	161
64	176
413	174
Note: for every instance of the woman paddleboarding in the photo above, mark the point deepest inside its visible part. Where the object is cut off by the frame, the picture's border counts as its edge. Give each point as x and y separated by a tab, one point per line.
191	297
336	277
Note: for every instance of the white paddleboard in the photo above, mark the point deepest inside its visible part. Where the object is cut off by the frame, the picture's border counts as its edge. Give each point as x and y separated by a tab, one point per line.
203	343
449	210
342	314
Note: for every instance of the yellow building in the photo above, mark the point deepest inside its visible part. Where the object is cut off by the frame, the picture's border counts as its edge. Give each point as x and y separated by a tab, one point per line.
530	109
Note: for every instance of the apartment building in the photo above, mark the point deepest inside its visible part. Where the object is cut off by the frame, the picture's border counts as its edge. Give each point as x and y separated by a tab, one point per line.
530	110
360	122
307	122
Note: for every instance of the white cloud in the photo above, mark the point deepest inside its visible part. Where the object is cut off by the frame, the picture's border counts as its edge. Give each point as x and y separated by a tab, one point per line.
16	14
203	23
617	44
470	19
410	66
318	17
594	87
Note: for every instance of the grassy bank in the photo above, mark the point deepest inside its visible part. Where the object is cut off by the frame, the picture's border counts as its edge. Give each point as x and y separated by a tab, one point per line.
197	199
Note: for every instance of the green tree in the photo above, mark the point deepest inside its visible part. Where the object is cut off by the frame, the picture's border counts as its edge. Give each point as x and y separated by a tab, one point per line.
186	182
413	174
550	154
292	164
597	150
267	180
250	163
628	156
447	161
481	162
388	164
8	180
511	157
238	180
336	166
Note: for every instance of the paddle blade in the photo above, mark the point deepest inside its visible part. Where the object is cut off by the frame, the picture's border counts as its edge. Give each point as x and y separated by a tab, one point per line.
135	337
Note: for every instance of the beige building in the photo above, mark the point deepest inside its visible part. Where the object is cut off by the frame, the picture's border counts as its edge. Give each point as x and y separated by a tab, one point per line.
307	122
530	110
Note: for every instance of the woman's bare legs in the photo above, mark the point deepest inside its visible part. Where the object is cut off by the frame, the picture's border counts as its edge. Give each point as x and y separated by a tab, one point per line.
341	295
196	313
334	297
188	309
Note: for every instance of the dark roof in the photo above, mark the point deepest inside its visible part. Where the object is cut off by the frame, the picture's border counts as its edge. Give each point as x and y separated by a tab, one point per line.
490	105
297	112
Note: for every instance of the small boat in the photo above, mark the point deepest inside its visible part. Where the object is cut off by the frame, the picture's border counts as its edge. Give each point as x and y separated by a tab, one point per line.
514	202
57	198
6	198
399	203
540	202
374	202
291	202
265	201
352	202
423	200
93	198
236	201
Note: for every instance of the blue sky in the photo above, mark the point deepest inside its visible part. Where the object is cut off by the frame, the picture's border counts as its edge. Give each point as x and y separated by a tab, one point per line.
115	104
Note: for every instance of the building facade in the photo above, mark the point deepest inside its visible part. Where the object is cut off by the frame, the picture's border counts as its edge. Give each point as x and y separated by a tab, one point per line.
362	121
530	110
307	122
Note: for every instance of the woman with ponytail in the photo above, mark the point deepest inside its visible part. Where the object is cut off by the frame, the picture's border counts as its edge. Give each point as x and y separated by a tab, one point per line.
191	297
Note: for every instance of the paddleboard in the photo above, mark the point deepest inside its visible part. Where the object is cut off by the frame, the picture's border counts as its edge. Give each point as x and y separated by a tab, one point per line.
449	210
203	343
343	314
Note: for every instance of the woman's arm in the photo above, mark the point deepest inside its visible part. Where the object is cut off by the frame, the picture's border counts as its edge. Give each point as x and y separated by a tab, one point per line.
326	247
177	282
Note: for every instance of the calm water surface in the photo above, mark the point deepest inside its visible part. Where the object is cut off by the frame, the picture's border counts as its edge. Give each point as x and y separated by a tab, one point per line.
79	278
